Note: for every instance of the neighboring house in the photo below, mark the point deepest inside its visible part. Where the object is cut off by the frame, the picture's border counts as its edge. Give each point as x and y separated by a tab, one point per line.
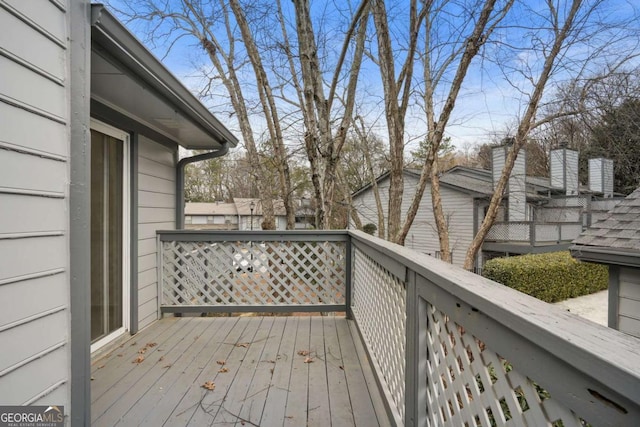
615	241
90	125
239	214
538	214
211	216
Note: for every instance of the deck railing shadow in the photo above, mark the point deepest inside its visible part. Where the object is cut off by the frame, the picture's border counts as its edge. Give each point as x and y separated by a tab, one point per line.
447	347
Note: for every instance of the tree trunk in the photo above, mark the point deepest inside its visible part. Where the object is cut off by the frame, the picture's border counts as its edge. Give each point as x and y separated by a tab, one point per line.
523	129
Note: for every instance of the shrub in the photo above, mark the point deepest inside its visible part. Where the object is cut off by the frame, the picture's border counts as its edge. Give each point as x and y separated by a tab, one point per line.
369	228
551	277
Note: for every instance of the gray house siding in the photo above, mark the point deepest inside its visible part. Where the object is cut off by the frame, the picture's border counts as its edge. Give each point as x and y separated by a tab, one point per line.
156	211
422	236
629	301
34	225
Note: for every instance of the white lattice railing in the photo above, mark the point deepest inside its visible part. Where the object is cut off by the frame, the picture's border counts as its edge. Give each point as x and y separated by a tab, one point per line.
225	271
379	308
533	233
447	347
451	348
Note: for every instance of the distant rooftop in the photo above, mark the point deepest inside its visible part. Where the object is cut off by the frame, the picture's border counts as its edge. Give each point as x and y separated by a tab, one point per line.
620	229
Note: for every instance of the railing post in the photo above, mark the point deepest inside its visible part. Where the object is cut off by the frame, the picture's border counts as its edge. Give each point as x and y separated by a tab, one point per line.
348	276
415	391
160	272
532	233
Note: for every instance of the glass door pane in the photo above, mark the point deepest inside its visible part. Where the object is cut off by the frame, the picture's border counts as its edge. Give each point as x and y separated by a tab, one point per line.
106	234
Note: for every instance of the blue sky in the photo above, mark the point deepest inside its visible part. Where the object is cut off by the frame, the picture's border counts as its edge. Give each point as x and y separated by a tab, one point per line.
488	103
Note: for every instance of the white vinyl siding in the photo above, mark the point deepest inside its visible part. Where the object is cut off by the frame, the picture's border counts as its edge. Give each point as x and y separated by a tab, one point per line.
34	177
423	237
629	301
156	211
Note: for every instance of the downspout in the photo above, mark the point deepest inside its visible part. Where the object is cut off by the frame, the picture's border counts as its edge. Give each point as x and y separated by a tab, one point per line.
224	149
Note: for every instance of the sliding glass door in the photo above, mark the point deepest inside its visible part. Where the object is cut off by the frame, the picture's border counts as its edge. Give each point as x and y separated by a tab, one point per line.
109	310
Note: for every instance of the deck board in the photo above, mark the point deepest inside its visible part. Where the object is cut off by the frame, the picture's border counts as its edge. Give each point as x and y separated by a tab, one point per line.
266	382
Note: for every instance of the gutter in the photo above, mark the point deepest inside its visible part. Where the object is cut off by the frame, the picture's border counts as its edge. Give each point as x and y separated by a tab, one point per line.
224	149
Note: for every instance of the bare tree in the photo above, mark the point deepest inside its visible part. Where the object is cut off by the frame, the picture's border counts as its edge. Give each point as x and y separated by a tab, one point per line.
324	143
445	63
566	25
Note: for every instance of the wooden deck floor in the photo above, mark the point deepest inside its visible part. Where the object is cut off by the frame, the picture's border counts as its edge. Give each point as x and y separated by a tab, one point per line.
258	366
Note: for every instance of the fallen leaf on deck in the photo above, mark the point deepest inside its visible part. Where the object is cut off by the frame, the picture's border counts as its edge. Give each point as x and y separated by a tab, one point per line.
243	344
134	343
161	359
138	359
341	367
223	370
308	360
101	366
209	385
142	350
221	362
167	366
151	344
119	355
303	352
92	378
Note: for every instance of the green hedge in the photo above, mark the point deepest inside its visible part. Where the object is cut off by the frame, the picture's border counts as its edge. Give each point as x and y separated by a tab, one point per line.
551	277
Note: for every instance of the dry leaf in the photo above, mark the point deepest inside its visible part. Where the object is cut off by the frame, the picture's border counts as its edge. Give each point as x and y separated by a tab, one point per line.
167	366
119	355
243	344
138	359
134	343
161	359
151	344
308	360
271	370
221	362
101	366
223	370
303	352
92	378
209	385
341	367
142	350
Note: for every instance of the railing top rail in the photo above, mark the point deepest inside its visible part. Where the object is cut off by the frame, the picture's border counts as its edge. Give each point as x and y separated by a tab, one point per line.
257	235
606	355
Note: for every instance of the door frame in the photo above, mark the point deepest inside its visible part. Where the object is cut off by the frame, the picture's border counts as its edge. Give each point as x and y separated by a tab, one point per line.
123	136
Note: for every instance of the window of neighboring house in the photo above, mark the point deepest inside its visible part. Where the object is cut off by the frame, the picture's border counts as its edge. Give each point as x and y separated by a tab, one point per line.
198	219
187	219
210	219
439	255
230	219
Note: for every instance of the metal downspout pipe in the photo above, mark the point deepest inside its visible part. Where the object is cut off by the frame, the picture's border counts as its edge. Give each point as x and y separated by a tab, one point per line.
224	149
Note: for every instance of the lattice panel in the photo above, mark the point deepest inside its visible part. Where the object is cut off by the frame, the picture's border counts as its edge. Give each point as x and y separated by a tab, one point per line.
379	301
509	231
470	385
253	273
547	232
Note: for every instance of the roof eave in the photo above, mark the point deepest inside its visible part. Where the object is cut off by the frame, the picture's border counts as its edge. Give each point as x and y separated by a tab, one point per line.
136	57
605	255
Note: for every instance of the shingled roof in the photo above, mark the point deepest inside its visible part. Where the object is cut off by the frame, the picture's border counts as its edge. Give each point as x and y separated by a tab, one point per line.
614	239
620	229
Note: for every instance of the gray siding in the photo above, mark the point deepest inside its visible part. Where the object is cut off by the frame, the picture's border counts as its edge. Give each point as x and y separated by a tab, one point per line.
34	175
423	237
156	211
629	301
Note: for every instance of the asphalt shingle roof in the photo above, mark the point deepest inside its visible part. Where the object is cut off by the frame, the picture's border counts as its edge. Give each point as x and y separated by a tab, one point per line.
619	229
